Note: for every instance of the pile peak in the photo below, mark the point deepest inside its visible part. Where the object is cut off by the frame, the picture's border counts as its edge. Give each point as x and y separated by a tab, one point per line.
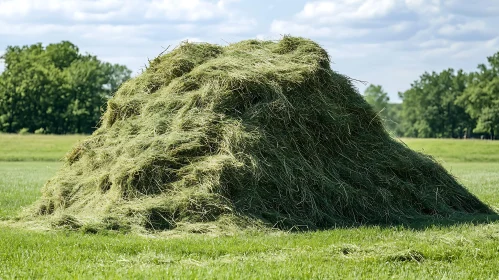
254	133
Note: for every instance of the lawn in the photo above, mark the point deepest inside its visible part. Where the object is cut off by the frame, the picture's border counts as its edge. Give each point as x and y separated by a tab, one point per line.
452	150
16	147
468	250
20	184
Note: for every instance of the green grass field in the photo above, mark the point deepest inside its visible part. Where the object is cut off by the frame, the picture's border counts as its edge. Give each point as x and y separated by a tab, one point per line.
458	250
16	147
452	150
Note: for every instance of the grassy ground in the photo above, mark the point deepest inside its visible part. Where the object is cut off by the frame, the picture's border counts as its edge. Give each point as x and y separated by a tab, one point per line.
20	184
459	251
453	150
15	147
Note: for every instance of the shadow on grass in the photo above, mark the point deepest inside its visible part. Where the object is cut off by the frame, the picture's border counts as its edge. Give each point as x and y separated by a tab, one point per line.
430	222
420	223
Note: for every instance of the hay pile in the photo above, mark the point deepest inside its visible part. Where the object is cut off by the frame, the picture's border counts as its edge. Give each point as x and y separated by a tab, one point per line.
254	133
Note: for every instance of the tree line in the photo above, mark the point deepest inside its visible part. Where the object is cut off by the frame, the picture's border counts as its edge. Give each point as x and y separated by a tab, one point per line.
55	89
449	104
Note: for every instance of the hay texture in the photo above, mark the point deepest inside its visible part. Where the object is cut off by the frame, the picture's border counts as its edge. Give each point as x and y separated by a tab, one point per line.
253	133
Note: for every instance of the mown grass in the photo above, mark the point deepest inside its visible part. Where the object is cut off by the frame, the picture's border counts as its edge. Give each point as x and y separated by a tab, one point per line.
15	147
458	251
481	178
30	147
20	184
456	150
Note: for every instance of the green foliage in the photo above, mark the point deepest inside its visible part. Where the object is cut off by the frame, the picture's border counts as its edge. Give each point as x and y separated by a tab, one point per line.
453	104
40	131
24	131
388	112
393	118
377	98
55	88
481	97
429	109
254	133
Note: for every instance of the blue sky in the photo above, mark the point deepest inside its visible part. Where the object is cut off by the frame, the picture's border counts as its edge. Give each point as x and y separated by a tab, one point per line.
386	42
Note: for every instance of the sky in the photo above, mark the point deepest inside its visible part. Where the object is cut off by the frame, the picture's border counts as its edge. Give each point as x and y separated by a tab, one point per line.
385	42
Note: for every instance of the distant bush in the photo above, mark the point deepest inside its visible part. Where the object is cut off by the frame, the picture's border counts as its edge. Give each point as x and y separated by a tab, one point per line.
24	131
40	131
55	87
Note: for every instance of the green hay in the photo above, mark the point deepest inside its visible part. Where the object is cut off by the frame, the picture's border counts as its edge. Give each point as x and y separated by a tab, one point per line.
253	134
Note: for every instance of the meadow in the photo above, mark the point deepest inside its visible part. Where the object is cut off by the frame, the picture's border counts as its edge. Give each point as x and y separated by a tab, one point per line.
462	248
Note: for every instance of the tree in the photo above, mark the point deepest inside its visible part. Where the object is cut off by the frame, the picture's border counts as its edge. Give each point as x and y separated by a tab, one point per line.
392	120
481	97
429	108
55	88
379	100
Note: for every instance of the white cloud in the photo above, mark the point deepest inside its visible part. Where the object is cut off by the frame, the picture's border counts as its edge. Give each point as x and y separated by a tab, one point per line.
375	8
432	44
388	42
475	8
463	28
466	50
105	10
225	3
424	6
12	9
318	9
307	30
393	42
400	27
343	19
190	10
236	26
345	10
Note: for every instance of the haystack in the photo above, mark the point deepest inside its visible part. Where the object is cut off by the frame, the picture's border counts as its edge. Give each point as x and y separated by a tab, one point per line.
253	133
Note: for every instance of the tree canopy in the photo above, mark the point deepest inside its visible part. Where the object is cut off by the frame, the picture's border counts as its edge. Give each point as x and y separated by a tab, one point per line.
429	108
446	104
481	97
55	89
378	98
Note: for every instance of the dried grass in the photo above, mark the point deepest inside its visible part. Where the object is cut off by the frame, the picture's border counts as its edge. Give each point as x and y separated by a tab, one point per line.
253	134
